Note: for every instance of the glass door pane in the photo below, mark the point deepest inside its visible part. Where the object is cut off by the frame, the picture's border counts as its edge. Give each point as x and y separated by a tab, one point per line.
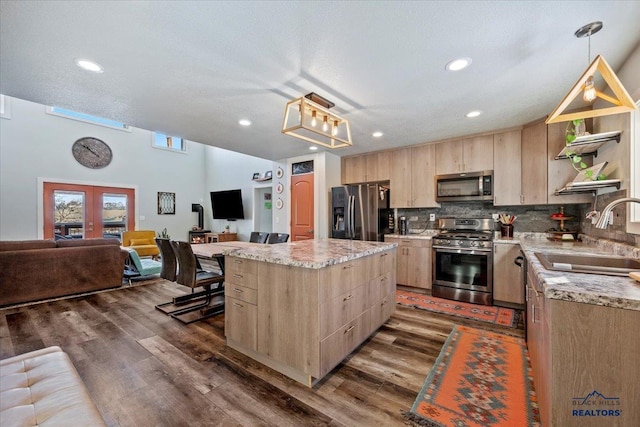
69	214
114	215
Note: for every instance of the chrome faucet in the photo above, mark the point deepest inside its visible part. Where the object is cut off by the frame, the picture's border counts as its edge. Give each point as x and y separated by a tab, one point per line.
605	218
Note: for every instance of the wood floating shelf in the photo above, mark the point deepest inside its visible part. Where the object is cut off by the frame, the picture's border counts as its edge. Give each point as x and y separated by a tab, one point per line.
588	145
590	187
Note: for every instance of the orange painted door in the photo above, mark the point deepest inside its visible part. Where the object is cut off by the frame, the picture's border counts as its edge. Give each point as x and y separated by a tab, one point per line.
302	207
86	211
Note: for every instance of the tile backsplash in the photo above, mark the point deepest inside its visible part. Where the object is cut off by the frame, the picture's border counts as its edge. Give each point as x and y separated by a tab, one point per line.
530	218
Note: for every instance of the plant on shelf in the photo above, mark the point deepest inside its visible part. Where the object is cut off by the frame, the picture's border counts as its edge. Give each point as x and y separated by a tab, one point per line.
576	128
163	234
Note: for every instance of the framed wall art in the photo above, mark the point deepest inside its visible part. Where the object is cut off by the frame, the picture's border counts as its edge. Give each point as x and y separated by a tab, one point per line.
166	203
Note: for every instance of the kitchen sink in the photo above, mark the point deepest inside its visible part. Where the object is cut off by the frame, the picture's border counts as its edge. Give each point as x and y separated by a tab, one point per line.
610	266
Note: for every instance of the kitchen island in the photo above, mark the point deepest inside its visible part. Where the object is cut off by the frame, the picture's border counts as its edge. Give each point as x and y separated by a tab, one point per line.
302	307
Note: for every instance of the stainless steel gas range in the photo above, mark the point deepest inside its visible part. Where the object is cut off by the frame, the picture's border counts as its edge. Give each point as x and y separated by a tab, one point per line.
463	260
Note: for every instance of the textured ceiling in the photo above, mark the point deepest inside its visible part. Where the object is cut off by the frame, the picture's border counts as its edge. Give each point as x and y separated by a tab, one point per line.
194	69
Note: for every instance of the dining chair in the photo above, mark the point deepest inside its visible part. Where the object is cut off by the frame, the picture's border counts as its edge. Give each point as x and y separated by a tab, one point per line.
168	258
277	238
258	237
197	305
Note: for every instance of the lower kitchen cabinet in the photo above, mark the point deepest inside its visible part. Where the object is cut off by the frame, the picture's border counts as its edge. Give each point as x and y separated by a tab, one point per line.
413	261
584	359
507	276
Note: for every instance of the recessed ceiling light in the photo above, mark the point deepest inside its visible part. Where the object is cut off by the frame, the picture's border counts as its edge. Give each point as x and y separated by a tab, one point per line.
245	122
85	64
377	134
472	114
313	148
458	64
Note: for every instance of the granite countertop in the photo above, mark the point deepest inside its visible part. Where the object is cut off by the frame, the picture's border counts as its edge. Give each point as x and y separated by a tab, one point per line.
610	291
315	254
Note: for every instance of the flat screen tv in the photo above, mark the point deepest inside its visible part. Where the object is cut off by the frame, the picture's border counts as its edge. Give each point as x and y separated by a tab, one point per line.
227	204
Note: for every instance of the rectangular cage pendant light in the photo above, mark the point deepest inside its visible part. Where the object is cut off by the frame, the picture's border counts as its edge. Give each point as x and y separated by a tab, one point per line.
314	123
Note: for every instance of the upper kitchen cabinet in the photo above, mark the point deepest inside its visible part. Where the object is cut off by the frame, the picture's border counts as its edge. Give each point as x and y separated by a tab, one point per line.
561	171
378	166
507	169
354	169
534	164
465	155
412	171
366	168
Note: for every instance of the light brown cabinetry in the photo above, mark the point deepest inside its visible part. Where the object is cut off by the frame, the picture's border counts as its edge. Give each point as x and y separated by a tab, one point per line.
465	155
507	276
241	298
576	349
507	169
414	262
307	320
373	167
412	172
534	164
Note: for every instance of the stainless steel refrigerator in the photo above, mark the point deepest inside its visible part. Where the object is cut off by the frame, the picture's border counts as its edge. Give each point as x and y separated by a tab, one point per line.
361	212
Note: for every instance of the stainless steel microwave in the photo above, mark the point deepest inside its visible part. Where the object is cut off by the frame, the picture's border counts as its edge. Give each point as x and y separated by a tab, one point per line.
463	187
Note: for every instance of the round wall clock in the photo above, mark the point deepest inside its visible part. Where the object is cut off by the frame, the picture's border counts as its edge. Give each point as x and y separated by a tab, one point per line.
279	188
92	152
279	173
279	203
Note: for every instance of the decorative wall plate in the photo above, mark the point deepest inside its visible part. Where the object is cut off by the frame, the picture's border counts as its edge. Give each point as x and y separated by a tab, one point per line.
279	188
279	203
279	173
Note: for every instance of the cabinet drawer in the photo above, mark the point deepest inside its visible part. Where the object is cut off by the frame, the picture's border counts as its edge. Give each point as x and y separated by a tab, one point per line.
380	287
338	345
381	263
343	277
241	272
340	310
244	318
382	310
415	243
242	293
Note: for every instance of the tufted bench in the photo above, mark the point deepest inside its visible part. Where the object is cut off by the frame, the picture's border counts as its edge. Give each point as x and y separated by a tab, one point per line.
43	388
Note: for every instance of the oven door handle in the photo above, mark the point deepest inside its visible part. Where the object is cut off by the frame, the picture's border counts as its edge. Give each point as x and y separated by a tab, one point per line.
462	251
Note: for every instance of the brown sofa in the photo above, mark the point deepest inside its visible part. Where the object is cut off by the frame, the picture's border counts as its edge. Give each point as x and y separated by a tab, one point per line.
32	270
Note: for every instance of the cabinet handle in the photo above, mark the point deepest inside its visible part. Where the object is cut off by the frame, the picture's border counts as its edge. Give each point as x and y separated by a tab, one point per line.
240	276
383	303
382	279
238	305
238	290
348	266
237	261
533	313
350	328
522	199
384	254
347	298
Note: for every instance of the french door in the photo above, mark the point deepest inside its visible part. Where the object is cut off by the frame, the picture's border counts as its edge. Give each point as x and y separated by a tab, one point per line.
87	211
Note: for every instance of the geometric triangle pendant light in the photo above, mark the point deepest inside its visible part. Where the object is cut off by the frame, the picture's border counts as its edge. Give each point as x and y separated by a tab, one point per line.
621	101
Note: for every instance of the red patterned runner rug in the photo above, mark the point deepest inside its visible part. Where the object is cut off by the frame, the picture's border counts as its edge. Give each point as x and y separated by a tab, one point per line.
480	379
485	313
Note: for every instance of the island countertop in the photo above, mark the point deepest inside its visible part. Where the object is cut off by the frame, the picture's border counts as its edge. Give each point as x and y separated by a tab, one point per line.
317	253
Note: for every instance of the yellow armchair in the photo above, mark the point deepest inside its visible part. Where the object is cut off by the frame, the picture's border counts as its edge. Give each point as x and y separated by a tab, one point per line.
142	241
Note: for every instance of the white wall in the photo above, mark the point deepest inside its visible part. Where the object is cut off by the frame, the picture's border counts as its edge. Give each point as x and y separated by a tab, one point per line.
35	146
227	170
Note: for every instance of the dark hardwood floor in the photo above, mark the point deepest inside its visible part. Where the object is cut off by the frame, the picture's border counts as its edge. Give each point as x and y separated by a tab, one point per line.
144	368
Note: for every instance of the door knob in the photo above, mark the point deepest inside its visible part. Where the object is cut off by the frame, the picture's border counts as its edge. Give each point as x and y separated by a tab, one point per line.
310	230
